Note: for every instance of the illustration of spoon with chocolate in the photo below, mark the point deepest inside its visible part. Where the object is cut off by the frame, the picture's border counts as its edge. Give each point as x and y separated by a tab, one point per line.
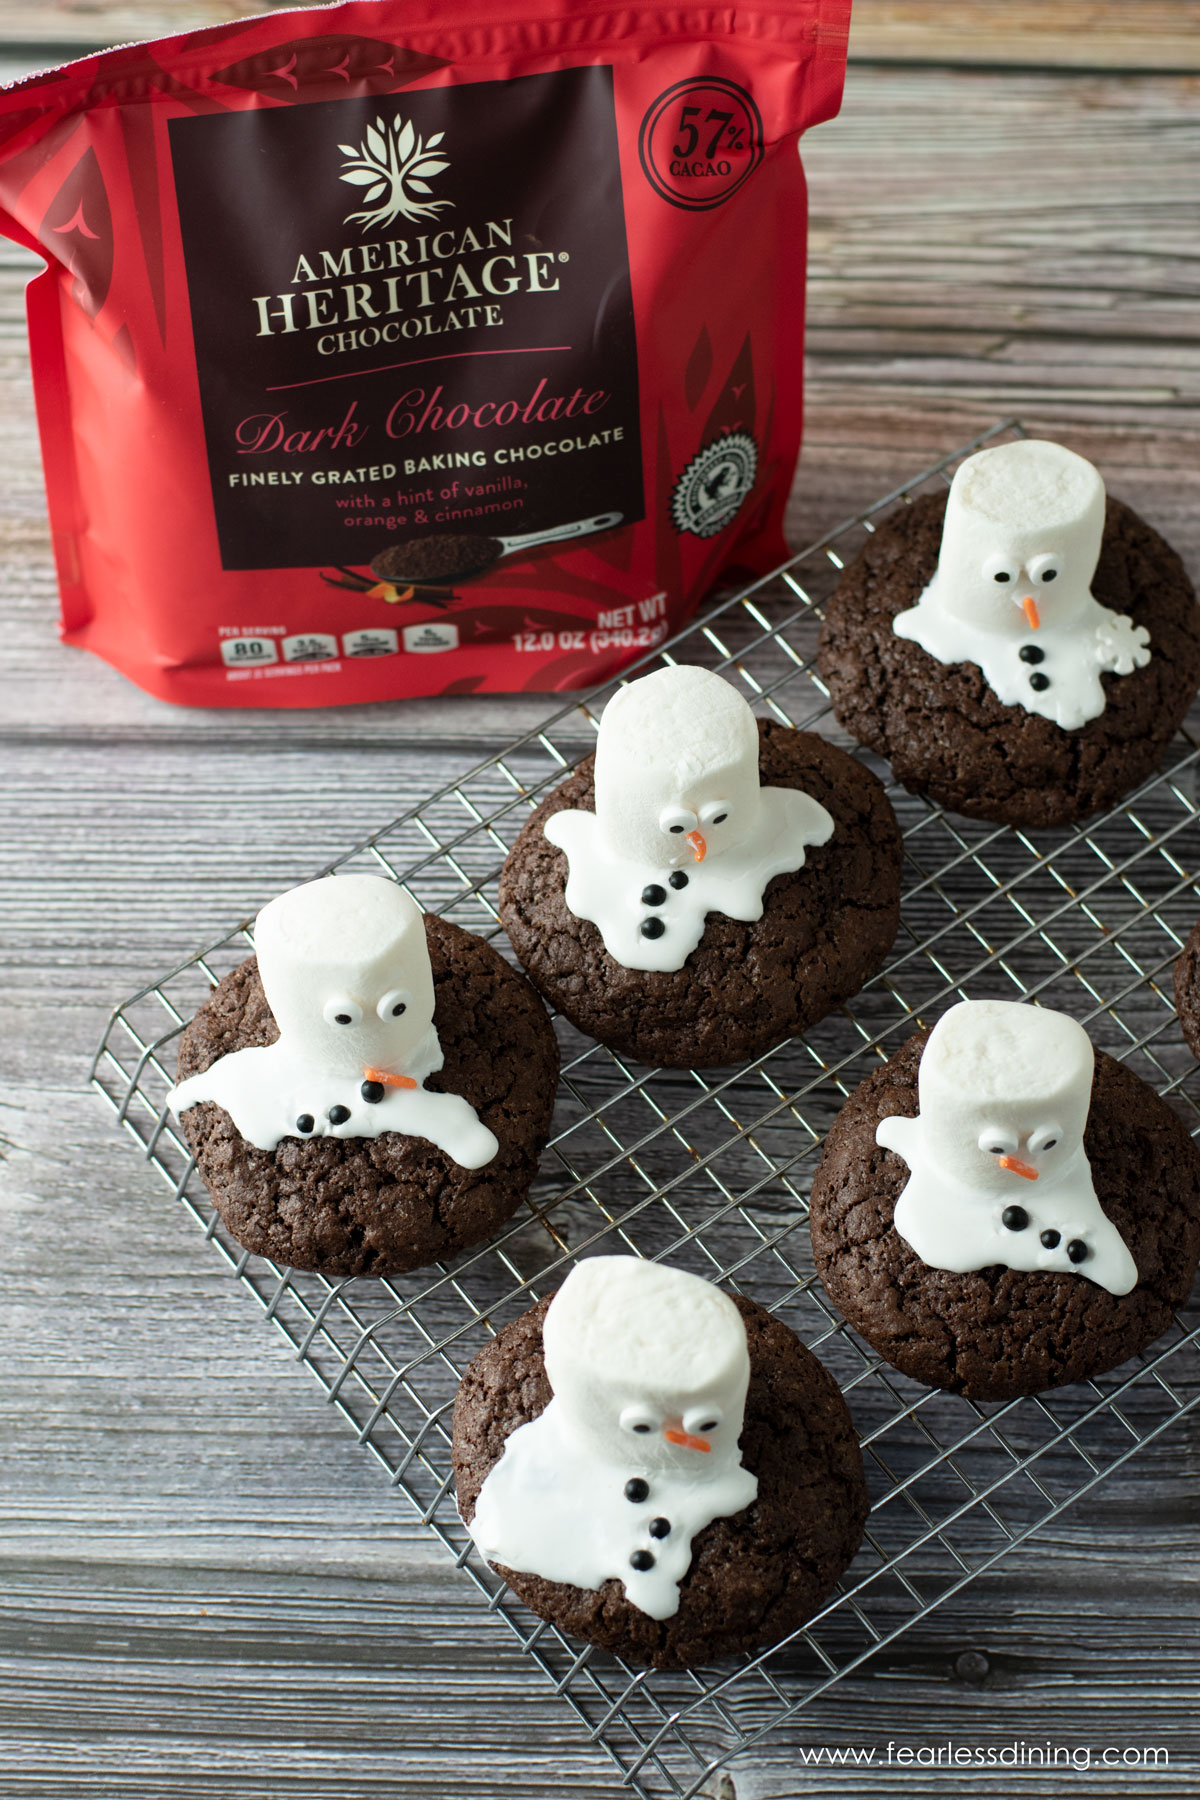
427	568
461	556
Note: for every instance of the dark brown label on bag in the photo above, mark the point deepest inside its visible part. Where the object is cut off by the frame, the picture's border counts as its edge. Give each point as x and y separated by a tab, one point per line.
412	316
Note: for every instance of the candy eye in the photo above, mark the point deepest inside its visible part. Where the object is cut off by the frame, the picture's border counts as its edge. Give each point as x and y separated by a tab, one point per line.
341	1011
1000	568
1045	568
639	1419
997	1143
676	820
715	813
395	1004
701	1420
1044	1139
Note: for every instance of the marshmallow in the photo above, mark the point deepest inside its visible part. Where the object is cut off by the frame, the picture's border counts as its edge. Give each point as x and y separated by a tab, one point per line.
1001	1073
998	1169
1012	590
1022	521
680	816
632	1345
675	750
345	968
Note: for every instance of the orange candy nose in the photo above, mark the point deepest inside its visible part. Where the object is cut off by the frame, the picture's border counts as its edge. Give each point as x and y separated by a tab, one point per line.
388	1079
1018	1167
699	851
1029	608
687	1442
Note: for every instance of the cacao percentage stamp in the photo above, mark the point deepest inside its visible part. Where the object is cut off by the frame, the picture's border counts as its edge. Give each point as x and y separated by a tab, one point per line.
700	142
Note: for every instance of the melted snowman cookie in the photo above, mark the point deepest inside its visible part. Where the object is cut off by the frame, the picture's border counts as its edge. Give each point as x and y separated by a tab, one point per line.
638	1449
825	928
346	972
942	728
682	827
618	1454
393	1140
1012	590
941	1264
998	1171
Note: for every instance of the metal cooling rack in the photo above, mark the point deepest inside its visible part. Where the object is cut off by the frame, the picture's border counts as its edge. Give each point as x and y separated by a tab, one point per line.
712	1170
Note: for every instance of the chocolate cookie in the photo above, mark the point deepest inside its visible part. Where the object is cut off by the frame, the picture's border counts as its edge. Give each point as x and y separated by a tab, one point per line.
380	1206
942	728
825	929
996	1332
755	1577
1187	990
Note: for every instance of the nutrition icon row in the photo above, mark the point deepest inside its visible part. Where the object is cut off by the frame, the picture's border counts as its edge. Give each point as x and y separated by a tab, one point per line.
323	646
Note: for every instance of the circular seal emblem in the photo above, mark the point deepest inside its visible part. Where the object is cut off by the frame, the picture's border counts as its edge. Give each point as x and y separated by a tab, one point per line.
700	142
714	484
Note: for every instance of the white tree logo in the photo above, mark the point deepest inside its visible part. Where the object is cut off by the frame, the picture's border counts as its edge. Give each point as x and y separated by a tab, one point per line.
394	164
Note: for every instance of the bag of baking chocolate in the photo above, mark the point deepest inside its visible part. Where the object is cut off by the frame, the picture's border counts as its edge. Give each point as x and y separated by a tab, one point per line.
416	346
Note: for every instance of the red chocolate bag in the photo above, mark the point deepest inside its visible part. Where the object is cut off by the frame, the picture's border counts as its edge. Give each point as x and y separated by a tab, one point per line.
403	348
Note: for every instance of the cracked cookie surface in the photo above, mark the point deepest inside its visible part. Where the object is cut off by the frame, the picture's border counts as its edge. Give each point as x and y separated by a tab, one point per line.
1187	990
754	1577
825	929
943	730
995	1332
377	1206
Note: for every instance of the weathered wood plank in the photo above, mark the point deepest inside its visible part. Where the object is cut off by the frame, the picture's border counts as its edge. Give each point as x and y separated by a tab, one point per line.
1030	33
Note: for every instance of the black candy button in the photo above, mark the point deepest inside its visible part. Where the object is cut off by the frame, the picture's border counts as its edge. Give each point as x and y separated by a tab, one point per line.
1051	1239
637	1490
1039	682
678	879
660	1528
1032	653
305	1123
652	928
372	1092
653	895
1015	1218
641	1560
338	1115
1077	1250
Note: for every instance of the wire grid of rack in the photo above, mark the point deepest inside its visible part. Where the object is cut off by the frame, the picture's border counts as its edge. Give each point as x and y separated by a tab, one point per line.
712	1170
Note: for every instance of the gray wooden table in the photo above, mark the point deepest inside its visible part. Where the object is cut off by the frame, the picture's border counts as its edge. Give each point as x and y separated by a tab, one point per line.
206	1589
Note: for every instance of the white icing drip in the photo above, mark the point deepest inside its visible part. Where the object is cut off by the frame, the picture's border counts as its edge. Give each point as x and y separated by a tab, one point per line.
345	969
265	1090
1074	655
549	1509
607	889
952	1226
649	1368
1004	1091
1020	543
